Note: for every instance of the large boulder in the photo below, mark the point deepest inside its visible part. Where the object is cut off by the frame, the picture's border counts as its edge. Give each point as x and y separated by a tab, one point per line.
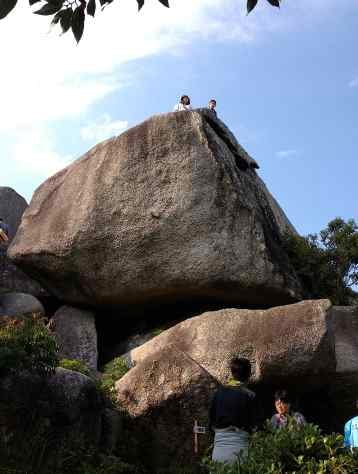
12	207
175	373
20	304
76	335
344	386
52	415
286	341
171	209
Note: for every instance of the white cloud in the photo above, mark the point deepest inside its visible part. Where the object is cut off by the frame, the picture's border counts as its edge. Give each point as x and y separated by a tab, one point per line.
47	77
286	153
102	129
354	82
33	153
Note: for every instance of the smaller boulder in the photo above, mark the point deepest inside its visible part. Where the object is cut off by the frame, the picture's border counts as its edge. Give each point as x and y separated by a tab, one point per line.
20	304
76	335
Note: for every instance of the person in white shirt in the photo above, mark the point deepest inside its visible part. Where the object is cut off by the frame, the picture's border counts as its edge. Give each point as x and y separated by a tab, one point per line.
184	104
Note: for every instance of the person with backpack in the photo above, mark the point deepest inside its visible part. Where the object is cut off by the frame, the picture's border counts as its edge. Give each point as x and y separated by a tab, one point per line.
234	413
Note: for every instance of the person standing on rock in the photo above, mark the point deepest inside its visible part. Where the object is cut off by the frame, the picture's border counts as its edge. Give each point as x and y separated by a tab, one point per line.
212	106
284	412
184	104
351	432
4	231
234	412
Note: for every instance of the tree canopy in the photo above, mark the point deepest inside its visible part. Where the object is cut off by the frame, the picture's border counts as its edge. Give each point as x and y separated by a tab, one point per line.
71	14
327	263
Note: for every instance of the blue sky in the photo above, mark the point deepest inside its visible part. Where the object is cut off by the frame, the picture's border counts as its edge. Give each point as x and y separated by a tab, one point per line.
286	83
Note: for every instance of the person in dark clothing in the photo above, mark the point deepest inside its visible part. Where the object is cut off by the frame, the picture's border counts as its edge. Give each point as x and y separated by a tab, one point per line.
234	413
4	231
212	106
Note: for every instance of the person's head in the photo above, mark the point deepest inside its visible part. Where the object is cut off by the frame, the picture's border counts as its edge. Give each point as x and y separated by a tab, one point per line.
185	100
212	104
240	369
282	402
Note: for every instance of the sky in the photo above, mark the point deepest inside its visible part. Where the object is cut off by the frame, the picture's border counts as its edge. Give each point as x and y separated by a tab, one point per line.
285	80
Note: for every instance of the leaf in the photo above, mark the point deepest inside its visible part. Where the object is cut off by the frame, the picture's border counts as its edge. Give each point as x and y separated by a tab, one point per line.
78	23
5	7
251	4
91	7
66	19
274	3
165	3
140	4
49	8
57	17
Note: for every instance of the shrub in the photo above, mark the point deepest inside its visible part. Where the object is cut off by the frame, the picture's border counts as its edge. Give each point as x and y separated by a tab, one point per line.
112	372
75	365
294	449
327	264
26	344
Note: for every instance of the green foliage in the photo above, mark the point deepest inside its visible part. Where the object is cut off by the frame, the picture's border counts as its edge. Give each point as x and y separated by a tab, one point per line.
67	13
112	372
26	344
75	365
39	450
294	449
251	4
72	13
327	264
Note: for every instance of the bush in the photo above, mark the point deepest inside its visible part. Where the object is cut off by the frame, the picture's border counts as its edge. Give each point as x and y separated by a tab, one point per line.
112	372
294	449
38	450
75	365
327	264
26	344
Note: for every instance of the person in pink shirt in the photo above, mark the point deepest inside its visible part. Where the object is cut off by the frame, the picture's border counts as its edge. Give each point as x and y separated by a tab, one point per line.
284	411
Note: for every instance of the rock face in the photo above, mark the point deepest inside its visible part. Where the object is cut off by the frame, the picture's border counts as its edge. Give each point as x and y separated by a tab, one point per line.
76	335
344	387
12	207
20	304
67	409
171	209
175	373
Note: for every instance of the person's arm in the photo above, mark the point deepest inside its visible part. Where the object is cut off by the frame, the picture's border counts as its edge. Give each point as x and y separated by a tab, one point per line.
176	108
347	434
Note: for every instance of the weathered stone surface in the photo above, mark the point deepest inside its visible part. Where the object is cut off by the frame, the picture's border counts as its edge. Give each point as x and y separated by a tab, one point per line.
76	335
175	373
14	279
20	304
286	341
65	409
171	209
12	207
344	385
